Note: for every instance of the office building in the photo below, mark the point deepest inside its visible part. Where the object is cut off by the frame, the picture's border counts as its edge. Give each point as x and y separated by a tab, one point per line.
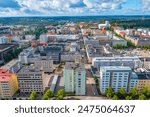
45	63
31	79
54	52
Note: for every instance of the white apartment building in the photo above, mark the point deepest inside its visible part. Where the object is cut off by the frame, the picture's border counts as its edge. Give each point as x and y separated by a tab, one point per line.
115	77
132	62
75	78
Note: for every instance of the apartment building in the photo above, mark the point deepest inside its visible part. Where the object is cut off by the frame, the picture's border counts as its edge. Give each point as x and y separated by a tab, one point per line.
8	84
75	78
132	62
139	40
31	79
141	81
118	41
115	77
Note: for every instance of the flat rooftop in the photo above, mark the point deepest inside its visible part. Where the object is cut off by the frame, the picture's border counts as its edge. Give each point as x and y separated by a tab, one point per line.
30	68
139	38
71	65
143	76
116	58
118	68
4	47
11	63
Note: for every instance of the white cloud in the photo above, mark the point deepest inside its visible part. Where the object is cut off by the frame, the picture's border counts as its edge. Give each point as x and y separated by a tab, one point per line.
68	7
11	12
146	5
104	4
59	6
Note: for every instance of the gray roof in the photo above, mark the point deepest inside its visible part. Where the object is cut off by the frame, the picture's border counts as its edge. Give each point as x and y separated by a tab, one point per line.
75	66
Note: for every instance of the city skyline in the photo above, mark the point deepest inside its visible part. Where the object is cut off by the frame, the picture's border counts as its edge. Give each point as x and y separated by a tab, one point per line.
11	8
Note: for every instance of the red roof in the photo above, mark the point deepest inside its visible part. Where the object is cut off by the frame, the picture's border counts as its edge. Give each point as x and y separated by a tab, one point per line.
5	75
145	36
43	44
123	33
115	27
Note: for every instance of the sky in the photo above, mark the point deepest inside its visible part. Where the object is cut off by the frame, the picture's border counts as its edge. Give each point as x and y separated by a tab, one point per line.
73	7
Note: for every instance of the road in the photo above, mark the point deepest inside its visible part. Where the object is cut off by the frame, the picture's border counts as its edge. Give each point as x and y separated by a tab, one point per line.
91	85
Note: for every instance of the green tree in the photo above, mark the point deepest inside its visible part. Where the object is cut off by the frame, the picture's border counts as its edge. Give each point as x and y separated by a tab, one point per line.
134	93
122	93
33	95
115	97
60	97
45	97
142	97
61	94
145	91
110	92
48	94
129	98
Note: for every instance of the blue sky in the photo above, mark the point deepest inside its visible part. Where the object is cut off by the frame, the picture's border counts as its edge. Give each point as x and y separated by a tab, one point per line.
73	7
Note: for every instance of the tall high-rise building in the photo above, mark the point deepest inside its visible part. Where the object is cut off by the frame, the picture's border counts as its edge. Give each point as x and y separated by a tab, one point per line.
115	77
8	84
75	78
